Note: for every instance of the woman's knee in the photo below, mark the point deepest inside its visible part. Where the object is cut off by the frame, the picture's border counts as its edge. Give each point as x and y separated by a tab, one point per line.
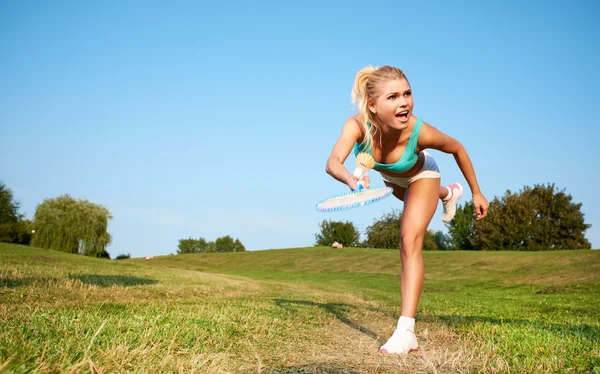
410	244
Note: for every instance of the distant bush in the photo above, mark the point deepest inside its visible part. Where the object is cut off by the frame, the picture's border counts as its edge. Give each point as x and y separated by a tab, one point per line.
193	246
228	244
533	219
13	227
123	256
222	244
385	233
344	233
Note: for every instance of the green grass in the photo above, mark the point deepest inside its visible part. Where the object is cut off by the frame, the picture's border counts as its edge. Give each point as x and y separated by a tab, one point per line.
304	310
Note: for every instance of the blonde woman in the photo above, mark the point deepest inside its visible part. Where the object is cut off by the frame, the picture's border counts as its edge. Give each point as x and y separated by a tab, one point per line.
386	128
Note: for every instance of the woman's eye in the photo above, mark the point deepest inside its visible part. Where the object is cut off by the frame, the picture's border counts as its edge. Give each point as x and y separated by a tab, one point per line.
408	93
392	97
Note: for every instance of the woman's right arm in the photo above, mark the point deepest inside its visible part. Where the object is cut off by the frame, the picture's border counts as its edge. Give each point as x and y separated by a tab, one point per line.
351	133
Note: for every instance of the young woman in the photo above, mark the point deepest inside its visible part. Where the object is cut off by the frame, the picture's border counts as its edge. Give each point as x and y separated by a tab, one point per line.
386	128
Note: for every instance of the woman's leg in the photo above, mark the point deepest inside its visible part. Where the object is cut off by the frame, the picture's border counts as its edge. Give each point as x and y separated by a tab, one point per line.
420	202
443	192
448	194
397	191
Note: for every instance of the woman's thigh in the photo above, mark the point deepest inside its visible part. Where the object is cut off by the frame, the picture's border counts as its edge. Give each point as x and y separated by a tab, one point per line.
420	202
397	191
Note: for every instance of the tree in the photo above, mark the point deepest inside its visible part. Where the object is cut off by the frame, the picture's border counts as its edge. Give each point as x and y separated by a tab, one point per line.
9	208
192	245
13	228
227	244
441	240
70	225
460	229
210	247
534	219
385	233
223	244
123	256
344	233
238	246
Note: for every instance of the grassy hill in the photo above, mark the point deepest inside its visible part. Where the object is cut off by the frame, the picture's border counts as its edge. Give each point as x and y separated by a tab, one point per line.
302	310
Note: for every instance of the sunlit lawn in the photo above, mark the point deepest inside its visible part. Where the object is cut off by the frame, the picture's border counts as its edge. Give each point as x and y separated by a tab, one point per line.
305	310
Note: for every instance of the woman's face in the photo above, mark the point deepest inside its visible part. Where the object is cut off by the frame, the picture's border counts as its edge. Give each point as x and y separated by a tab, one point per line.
395	104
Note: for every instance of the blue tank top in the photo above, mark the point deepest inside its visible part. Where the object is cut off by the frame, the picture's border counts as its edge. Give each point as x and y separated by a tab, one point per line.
409	157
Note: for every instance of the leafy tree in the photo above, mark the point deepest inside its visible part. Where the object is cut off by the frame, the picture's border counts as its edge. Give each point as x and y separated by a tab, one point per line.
223	244
344	233
441	240
9	208
192	245
238	246
70	225
210	247
429	243
534	219
385	233
123	256
227	244
460	229
13	228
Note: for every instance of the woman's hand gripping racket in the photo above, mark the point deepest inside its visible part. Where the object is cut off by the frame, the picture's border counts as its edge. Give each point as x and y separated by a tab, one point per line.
359	197
364	163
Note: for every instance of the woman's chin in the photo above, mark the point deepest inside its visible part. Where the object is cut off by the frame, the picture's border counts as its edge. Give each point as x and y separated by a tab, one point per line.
400	125
397	123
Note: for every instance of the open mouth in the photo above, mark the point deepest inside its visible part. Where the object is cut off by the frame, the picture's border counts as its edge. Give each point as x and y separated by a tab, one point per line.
403	115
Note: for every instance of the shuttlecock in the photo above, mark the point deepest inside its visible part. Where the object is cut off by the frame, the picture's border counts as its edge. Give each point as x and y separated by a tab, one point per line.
364	162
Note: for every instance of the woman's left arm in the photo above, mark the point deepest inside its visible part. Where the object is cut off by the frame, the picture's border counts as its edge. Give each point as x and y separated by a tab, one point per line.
430	137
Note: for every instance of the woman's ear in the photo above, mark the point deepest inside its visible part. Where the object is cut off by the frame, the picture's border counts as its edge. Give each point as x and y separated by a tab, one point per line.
372	108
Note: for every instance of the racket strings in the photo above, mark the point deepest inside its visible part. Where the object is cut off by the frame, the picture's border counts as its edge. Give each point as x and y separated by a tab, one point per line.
353	199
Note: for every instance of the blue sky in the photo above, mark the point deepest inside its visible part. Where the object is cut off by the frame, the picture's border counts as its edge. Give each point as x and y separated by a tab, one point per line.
188	119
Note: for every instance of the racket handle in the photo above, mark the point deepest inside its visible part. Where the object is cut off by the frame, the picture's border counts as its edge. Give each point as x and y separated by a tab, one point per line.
360	184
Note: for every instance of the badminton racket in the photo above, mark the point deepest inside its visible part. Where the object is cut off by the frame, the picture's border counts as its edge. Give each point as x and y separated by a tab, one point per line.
360	197
353	199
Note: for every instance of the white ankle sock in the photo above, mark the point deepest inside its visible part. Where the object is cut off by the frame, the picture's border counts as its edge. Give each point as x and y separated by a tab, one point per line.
406	323
449	196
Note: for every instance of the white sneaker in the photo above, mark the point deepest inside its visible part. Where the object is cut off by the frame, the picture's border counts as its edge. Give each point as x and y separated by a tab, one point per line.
402	342
449	202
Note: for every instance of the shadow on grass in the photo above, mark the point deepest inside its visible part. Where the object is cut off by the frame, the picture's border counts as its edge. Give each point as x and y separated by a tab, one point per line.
312	369
112	280
339	310
466	322
22	282
90	279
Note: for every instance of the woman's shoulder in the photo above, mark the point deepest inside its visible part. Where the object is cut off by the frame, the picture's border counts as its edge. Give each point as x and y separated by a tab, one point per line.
425	127
430	136
354	119
353	122
353	128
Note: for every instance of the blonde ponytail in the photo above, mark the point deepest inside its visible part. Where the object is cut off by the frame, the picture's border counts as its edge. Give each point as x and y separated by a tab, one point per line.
360	100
